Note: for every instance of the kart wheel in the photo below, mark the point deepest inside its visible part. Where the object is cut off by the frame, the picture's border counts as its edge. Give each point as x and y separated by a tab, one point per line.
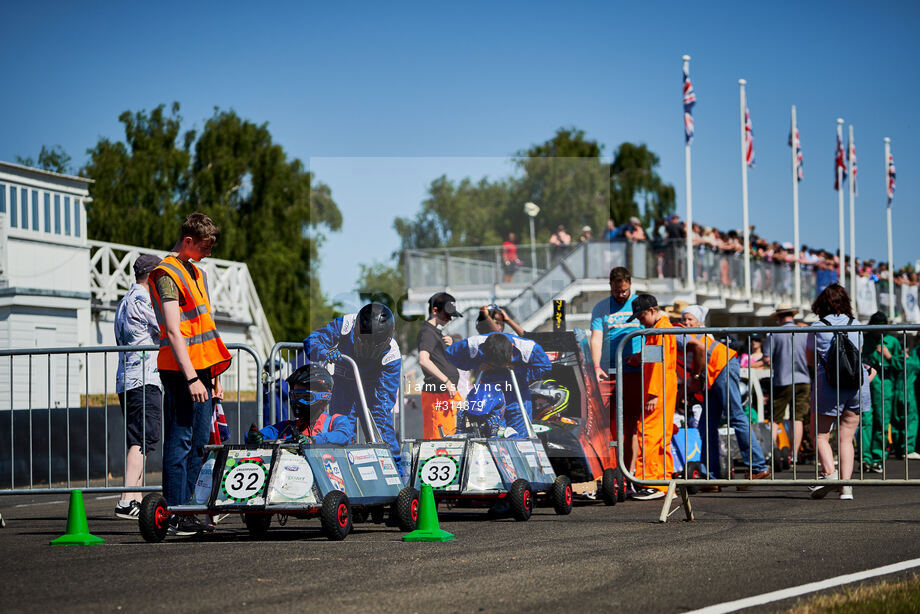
336	515
520	498
257	524
694	472
562	495
405	509
610	487
153	519
621	486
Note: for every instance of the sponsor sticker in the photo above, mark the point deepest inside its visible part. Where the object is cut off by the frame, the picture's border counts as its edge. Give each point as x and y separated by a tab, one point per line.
531	460
360	457
367	473
526	447
205	479
333	472
388	467
382	453
295	479
394	481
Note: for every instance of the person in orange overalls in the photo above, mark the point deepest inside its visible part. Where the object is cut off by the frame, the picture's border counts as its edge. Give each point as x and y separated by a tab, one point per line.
660	379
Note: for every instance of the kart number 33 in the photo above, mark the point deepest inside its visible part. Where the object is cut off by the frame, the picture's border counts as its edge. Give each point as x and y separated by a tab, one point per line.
438	471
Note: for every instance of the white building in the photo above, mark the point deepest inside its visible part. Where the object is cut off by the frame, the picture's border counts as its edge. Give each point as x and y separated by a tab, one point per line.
60	289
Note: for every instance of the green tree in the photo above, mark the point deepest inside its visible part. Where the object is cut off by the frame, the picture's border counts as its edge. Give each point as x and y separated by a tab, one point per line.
270	210
635	187
53	159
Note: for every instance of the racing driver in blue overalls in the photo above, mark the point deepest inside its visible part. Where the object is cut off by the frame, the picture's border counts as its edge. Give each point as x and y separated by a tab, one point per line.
366	337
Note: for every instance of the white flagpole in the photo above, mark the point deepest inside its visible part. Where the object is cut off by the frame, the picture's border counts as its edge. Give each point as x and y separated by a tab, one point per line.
890	248
744	194
689	240
795	214
852	191
842	267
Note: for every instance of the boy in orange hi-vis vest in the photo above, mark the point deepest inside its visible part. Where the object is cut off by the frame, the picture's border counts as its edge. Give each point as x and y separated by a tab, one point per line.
660	378
191	358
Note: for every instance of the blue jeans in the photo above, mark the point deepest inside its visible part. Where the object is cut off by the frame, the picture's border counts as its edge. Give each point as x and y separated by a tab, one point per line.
187	430
748	446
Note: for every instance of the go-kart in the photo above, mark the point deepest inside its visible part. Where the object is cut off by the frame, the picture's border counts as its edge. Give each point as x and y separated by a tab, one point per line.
339	484
576	434
472	470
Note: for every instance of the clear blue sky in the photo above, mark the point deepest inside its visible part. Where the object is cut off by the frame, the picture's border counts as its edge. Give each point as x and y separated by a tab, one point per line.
346	88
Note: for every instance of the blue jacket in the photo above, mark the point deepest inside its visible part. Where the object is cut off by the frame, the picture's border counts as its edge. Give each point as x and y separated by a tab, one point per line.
335	430
379	375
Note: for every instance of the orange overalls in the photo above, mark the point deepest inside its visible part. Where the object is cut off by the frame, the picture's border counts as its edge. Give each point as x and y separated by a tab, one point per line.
657	427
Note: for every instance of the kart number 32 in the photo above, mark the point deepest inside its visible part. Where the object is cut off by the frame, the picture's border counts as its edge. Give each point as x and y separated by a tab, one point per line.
245	481
439	471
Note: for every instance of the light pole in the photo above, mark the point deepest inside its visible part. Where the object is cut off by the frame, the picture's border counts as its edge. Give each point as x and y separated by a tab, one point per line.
532	210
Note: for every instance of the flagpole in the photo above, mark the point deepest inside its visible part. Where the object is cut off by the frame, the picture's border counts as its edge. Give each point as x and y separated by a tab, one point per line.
744	194
842	268
795	214
689	232
890	248
852	191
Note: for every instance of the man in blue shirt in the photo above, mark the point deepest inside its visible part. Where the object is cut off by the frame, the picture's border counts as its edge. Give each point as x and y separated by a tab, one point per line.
609	325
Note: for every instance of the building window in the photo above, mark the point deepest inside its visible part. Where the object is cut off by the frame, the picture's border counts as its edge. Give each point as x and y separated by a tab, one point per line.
34	209
24	202
77	203
66	215
47	212
2	198
14	212
57	214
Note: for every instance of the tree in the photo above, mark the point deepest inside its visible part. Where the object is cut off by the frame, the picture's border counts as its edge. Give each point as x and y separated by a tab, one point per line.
268	206
635	185
53	159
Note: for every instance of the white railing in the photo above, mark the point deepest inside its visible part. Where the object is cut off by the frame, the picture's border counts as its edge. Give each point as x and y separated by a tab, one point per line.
229	283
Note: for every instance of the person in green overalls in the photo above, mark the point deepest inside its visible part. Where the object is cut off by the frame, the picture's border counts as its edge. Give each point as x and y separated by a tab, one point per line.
905	437
882	352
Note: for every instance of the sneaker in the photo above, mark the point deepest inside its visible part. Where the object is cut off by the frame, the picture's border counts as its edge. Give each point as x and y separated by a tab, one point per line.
846	493
131	511
819	492
647	494
876	468
913	456
183	526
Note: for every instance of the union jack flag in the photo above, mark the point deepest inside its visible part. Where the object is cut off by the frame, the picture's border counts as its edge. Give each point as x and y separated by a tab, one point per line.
840	163
890	178
748	139
853	166
689	101
796	145
220	430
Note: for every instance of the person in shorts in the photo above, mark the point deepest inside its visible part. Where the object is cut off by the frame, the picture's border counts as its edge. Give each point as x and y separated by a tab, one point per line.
137	381
785	354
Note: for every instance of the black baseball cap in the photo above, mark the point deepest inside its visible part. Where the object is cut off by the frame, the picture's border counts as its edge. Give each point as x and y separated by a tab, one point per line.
641	303
145	263
445	303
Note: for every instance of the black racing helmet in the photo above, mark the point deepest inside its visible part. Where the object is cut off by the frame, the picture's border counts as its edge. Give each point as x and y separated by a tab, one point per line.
550	399
313	391
373	331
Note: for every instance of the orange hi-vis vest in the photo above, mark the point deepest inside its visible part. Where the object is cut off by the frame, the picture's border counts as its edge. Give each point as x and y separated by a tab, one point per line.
717	356
205	347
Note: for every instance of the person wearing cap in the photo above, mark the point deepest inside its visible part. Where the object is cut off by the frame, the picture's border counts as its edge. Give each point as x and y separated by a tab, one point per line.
635	232
137	381
656	427
439	396
787	356
585	234
714	368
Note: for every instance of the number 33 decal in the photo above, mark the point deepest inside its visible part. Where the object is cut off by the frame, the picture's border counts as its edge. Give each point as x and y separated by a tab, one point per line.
439	471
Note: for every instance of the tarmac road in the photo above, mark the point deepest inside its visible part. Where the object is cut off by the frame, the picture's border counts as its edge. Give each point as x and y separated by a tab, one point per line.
620	557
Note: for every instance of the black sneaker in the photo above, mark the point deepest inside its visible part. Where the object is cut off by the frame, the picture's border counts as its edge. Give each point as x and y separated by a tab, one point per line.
647	494
128	512
184	526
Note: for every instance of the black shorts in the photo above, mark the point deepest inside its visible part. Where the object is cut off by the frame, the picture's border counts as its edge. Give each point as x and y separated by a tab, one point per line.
141	401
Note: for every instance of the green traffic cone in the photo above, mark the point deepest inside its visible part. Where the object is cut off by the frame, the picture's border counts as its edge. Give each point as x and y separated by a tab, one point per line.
428	529
77	533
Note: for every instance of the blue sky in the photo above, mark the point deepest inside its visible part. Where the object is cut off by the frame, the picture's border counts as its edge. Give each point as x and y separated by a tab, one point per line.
381	98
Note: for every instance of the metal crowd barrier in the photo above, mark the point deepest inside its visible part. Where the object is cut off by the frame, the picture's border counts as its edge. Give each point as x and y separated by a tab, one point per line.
795	475
51	402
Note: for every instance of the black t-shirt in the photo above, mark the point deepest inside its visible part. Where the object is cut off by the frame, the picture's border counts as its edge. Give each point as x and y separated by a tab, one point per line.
675	230
429	340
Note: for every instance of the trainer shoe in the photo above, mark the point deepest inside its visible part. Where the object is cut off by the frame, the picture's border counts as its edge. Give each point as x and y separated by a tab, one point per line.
131	511
876	468
184	526
647	494
819	492
913	455
846	493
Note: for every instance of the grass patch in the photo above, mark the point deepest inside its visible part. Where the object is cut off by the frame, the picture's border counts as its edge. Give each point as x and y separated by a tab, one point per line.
901	596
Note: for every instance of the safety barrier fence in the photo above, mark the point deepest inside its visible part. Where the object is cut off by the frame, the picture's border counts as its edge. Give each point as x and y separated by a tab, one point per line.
59	431
886	396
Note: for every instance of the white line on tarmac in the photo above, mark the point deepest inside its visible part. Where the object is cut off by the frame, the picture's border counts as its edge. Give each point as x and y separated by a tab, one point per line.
795	591
40	503
108	497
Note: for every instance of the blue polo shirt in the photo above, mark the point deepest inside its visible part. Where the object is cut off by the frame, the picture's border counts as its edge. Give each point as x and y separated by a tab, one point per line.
610	317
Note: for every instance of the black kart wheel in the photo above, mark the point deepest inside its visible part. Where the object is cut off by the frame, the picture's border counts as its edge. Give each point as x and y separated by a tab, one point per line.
621	485
562	495
610	487
694	472
336	515
405	510
520	500
257	524
153	519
